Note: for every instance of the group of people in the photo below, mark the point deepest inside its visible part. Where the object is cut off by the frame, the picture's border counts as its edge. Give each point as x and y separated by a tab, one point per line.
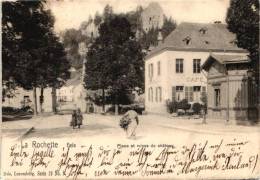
76	120
128	122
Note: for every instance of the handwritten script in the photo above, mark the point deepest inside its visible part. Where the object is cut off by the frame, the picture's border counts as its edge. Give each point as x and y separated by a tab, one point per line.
71	160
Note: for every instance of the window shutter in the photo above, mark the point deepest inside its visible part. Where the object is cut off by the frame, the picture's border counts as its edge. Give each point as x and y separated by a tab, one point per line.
151	94
186	93
156	94
160	94
191	93
173	93
203	90
182	66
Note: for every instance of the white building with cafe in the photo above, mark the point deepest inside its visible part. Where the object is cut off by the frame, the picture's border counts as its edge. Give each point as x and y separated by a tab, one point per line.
173	68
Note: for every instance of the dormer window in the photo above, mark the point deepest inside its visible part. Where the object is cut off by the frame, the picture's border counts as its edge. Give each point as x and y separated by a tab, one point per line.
234	42
187	40
203	30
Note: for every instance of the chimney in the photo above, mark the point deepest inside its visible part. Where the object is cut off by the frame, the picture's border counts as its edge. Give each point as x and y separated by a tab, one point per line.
217	22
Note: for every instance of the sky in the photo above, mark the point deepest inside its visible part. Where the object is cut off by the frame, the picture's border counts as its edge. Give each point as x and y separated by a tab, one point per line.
71	13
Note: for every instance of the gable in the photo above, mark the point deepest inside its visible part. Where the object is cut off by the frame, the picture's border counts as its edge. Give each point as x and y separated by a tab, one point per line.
216	69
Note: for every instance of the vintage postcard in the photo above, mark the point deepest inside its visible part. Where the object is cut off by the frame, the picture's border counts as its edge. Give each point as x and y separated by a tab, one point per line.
130	89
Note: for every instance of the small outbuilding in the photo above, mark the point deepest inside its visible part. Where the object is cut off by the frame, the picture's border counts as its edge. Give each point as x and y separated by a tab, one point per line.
232	92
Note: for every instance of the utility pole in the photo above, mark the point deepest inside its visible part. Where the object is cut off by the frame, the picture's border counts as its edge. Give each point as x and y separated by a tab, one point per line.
227	79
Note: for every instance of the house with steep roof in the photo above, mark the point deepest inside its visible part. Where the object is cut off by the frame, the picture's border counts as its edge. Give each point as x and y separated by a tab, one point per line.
173	68
72	94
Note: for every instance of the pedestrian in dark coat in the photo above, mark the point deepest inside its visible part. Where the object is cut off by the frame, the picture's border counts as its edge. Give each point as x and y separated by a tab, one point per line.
73	121
79	118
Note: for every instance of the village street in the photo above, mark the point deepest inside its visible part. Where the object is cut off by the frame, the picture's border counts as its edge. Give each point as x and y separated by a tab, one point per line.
101	127
103	131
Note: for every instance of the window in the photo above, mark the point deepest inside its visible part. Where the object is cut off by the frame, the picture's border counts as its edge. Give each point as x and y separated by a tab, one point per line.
187	40
150	94
196	65
150	70
217	97
203	30
158	95
158	68
179	65
179	88
196	88
179	93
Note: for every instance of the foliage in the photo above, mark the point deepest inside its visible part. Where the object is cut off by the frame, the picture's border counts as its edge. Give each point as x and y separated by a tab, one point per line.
31	59
150	38
124	108
196	107
134	18
97	19
184	105
115	60
124	122
108	13
17	111
243	19
168	26
172	106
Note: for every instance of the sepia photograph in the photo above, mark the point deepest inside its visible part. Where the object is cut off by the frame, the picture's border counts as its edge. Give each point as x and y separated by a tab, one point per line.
130	89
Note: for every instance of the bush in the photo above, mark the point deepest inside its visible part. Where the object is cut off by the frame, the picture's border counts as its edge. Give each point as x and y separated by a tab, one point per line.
172	106
17	111
196	108
124	108
184	105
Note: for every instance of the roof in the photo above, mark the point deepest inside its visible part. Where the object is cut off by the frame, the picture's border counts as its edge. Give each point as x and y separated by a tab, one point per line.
199	37
225	59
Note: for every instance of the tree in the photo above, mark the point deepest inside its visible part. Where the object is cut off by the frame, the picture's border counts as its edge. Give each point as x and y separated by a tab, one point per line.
168	26
115	60
97	19
108	12
134	18
150	38
243	20
71	39
30	59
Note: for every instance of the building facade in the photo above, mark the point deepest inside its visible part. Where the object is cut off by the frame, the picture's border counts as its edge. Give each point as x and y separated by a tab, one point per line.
232	91
173	69
72	95
23	98
152	17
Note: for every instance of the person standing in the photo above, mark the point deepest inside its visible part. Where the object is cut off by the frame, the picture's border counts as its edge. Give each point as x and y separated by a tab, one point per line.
131	117
79	118
73	121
